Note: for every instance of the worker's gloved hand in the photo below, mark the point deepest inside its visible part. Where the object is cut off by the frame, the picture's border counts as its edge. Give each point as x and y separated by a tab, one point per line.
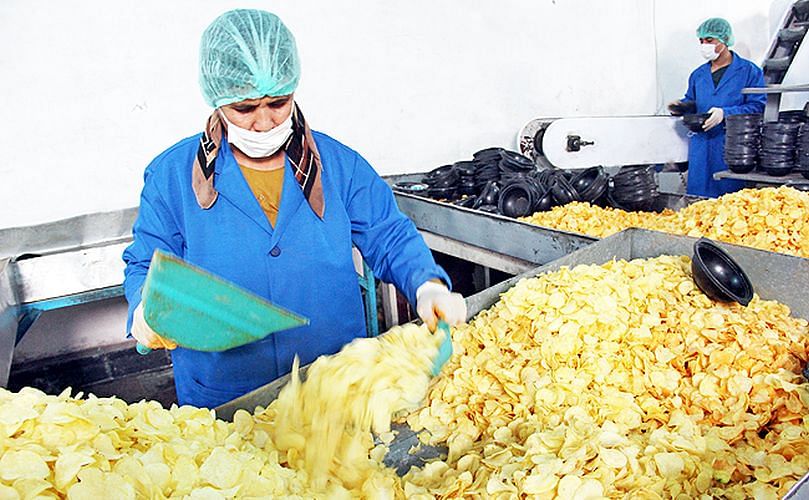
434	301
717	115
145	335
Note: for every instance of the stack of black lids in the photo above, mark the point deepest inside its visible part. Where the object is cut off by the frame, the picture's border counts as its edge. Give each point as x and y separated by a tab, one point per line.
467	183
634	188
514	164
778	142
802	151
442	182
488	166
742	142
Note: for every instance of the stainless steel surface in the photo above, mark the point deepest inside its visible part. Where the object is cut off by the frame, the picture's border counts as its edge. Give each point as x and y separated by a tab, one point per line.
76	232
774	92
495	233
8	320
800	490
58	264
69	272
776	89
471	253
774	276
761	178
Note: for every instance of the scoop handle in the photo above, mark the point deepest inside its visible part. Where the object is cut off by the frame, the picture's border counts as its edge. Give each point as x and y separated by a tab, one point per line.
445	350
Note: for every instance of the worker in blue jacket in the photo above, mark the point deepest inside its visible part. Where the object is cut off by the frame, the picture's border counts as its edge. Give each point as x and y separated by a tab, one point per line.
263	201
716	88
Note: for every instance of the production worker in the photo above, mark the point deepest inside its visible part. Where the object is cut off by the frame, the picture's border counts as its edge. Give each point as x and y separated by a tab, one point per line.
263	201
716	88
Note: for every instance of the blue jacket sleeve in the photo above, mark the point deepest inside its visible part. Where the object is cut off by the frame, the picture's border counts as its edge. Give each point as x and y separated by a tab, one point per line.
388	241
154	228
751	103
691	92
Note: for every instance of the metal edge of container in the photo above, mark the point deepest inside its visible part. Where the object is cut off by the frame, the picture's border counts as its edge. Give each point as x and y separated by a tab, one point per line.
774	276
75	232
481	229
8	320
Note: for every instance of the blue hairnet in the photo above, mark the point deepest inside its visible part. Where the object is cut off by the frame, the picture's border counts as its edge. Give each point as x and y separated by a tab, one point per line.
717	28
247	54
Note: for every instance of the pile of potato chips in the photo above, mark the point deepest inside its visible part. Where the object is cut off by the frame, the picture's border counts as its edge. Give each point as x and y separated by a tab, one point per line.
58	446
619	380
774	219
312	442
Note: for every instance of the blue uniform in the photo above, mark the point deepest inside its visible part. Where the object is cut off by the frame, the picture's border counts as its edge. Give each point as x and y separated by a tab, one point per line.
705	149
304	264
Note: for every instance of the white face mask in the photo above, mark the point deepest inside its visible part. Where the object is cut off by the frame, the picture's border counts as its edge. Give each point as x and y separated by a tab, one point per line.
258	144
708	51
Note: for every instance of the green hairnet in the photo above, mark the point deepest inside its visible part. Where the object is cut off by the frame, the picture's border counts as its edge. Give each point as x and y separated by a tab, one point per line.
247	54
717	28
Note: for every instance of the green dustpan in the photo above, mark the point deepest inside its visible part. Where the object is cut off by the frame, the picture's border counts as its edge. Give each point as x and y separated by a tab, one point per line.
200	311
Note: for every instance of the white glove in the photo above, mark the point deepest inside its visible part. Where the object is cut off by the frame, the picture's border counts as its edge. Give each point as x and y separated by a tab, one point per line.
434	301
144	334
717	115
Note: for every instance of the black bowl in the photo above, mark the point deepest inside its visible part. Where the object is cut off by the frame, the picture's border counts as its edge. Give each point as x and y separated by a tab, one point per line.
516	200
681	108
741	168
584	179
718	275
590	184
408	187
487	155
546	201
562	191
695	122
779	171
441	177
490	193
800	186
466	168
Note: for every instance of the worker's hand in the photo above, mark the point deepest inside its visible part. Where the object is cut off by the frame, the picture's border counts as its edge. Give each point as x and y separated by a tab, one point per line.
145	335
717	115
434	301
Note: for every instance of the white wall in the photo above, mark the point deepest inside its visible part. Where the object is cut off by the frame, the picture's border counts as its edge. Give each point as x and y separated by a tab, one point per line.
91	90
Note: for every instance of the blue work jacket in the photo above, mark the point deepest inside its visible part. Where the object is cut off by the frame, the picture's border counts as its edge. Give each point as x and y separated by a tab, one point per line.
706	149
303	264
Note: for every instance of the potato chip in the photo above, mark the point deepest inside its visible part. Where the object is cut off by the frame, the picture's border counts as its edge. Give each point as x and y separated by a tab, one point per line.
22	464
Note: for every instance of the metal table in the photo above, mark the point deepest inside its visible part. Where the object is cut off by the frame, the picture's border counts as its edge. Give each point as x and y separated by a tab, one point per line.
761	178
773	93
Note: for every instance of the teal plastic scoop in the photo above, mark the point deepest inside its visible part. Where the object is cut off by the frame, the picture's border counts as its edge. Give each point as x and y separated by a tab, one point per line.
201	311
